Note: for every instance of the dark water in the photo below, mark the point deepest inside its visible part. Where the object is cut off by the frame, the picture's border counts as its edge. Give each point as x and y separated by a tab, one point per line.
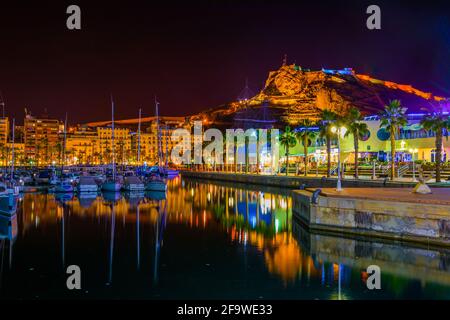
205	241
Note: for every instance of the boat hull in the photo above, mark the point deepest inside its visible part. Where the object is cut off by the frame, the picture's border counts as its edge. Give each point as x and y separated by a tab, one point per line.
63	188
156	186
111	186
8	204
134	187
87	188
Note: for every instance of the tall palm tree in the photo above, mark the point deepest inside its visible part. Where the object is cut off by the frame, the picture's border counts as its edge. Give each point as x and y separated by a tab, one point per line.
327	117
393	117
356	128
439	123
288	140
305	135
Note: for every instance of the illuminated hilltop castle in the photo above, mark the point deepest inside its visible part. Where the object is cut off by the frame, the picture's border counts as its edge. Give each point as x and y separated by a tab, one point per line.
293	93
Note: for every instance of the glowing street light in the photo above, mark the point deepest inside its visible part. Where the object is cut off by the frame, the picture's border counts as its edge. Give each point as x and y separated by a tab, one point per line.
340	132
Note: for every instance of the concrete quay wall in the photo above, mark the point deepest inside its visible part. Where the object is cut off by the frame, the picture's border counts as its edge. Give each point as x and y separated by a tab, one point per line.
426	223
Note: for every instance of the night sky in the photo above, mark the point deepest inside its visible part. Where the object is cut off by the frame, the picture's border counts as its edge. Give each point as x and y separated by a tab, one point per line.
195	54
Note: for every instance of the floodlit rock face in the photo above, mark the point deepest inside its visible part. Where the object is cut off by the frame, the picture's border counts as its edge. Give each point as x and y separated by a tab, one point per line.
291	94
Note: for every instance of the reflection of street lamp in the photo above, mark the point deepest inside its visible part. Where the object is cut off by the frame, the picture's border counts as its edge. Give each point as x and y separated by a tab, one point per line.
413	151
340	131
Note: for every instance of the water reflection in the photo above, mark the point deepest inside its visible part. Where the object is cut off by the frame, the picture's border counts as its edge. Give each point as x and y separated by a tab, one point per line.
200	240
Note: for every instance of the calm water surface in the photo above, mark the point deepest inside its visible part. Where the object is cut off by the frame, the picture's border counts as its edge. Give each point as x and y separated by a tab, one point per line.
204	240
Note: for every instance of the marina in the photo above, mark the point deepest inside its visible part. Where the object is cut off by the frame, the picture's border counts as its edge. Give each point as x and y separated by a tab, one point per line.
173	245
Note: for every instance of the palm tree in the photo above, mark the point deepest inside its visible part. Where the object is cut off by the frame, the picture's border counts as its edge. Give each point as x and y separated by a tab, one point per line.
327	118
439	123
358	129
306	135
288	140
392	119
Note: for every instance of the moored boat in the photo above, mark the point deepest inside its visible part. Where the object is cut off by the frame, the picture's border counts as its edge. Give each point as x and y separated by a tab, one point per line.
87	184
156	185
133	183
63	187
8	201
111	185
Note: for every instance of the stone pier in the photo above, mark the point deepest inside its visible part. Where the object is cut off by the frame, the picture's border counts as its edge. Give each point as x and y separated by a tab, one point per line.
393	213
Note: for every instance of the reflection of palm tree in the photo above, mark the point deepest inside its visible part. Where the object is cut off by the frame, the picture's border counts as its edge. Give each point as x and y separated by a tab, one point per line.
392	119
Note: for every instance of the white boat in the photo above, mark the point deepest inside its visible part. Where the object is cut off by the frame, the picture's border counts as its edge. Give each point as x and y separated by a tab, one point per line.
133	183
87	184
156	185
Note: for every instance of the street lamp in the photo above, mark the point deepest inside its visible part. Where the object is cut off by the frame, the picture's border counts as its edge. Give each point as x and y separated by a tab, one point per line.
340	132
414	151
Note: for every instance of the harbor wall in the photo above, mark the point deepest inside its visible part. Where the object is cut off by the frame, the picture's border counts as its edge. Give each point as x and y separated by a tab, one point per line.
405	221
292	182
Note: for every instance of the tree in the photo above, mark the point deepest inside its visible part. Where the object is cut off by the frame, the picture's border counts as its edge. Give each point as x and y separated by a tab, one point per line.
393	117
327	118
356	128
439	123
288	140
305	135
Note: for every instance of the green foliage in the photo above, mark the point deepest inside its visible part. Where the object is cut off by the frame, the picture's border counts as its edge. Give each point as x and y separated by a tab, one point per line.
393	116
287	139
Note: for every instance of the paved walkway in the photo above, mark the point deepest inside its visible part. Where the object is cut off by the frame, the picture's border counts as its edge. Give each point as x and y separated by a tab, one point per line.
439	196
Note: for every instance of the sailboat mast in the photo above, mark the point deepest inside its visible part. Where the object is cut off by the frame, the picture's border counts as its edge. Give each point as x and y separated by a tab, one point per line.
139	139
64	146
12	149
112	140
166	154
158	133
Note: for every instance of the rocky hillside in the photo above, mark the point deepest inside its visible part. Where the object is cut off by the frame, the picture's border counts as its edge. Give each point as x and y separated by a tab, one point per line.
291	94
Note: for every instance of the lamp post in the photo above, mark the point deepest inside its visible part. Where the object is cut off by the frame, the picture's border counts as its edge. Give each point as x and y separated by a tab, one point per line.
413	152
339	131
317	157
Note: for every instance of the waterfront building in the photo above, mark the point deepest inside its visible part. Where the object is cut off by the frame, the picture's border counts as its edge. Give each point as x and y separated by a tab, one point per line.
412	143
122	144
42	141
126	138
4	130
148	147
83	147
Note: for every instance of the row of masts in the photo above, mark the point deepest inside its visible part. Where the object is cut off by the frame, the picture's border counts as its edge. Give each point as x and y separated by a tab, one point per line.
158	132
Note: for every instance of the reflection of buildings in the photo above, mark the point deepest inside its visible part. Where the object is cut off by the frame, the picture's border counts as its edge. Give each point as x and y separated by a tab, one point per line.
260	221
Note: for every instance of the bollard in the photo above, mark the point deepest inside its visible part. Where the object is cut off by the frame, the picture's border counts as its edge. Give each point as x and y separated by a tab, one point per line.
315	196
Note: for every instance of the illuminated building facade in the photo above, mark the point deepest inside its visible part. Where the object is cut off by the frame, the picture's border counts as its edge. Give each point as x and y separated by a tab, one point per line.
4	130
82	147
42	141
